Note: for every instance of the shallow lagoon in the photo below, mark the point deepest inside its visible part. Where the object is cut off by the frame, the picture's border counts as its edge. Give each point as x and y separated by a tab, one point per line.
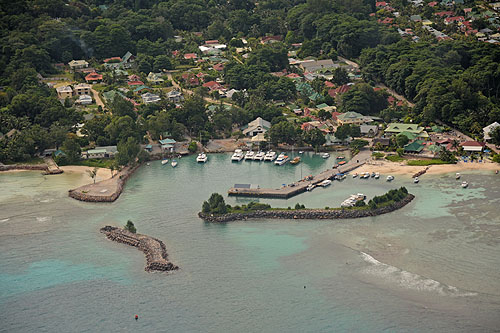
434	265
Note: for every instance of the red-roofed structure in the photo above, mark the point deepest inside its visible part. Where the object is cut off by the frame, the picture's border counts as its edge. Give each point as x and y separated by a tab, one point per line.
219	67
135	83
432	4
329	84
114	59
93	77
189	56
473	146
381	4
212	85
338	91
454	19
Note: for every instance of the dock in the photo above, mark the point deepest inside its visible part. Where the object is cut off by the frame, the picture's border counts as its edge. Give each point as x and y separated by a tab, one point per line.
296	188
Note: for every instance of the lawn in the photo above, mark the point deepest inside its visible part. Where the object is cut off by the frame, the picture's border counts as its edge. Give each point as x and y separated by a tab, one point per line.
394	158
426	162
99	163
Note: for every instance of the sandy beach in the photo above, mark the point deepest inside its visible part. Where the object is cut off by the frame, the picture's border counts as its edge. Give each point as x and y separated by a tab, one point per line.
102	173
387	167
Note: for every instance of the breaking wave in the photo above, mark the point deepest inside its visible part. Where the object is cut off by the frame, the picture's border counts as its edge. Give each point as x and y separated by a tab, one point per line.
410	280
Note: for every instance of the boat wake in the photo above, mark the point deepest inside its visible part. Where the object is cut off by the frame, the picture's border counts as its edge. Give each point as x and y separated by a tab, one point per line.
43	219
4	220
408	280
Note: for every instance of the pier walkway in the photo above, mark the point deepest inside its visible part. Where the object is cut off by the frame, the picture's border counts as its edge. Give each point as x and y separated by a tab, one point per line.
288	191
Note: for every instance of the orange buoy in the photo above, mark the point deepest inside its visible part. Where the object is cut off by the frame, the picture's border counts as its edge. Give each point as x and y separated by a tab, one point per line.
136	317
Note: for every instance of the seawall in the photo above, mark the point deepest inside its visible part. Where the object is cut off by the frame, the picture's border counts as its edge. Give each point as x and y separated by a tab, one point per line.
42	167
154	249
312	214
104	191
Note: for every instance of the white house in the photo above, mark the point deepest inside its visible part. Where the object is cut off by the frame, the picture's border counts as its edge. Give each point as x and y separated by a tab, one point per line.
149	98
256	126
100	152
473	146
154	78
487	130
64	92
78	64
84	100
175	96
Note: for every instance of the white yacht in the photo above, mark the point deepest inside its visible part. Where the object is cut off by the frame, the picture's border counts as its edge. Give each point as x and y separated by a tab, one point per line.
259	156
270	156
174	163
325	183
282	159
390	178
325	155
416	180
202	158
249	155
465	184
237	155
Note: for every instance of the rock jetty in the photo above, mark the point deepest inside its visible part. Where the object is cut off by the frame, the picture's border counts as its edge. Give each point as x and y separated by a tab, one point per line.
420	173
313	214
154	249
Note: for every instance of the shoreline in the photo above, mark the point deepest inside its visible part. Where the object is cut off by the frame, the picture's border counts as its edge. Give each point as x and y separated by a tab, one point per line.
309	214
395	168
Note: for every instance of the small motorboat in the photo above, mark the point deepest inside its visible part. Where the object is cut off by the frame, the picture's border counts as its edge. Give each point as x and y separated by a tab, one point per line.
377	175
342	162
373	174
390	178
457	176
164	161
416	180
310	187
340	157
296	160
465	184
301	152
325	183
174	163
325	155
282	159
355	175
366	175
202	158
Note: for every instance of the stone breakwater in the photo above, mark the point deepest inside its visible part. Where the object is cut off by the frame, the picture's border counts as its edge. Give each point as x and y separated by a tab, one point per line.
154	249
312	214
42	167
104	191
420	173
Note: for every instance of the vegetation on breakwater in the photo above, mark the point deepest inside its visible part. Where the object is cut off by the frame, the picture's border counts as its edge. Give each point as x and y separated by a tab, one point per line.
154	249
391	201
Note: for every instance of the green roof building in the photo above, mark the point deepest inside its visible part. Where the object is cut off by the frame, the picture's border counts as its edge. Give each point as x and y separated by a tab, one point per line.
414	147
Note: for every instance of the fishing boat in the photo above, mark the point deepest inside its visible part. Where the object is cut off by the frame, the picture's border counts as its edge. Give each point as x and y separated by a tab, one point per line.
340	158
390	178
457	176
237	155
325	155
164	161
202	158
416	180
282	159
249	155
259	156
174	163
296	160
310	187
377	175
270	156
465	184
325	183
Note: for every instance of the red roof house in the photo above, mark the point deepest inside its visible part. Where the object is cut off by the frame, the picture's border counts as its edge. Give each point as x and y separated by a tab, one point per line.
219	67
338	91
188	56
113	59
93	77
212	85
473	146
135	83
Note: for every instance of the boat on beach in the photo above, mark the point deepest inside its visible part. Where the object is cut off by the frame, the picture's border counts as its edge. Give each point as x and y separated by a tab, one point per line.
270	156
296	160
282	159
249	155
202	158
259	156
237	155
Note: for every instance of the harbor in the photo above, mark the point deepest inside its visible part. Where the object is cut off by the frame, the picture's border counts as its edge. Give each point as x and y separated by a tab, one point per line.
302	185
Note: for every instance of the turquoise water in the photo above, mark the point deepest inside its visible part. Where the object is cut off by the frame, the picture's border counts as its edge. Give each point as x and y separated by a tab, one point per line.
433	265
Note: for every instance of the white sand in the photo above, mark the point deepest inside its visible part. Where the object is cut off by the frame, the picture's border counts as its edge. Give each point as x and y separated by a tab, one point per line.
102	173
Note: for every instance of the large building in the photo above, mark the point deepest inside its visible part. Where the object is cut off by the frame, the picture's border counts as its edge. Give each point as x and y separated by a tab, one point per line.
256	126
82	89
64	92
78	64
416	131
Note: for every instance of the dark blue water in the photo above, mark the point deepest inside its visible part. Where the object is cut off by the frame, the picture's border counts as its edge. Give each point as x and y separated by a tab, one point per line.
434	265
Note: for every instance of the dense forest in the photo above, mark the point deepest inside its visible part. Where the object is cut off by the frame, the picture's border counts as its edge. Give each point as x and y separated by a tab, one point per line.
455	81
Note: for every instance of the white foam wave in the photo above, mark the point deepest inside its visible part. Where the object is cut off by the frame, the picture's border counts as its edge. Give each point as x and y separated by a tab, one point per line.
4	220
42	219
46	200
410	280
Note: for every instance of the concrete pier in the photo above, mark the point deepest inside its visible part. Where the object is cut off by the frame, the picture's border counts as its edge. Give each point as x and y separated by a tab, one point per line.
288	191
154	249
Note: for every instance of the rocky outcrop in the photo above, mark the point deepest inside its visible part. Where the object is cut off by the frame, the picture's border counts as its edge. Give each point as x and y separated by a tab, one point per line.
421	172
154	249
313	214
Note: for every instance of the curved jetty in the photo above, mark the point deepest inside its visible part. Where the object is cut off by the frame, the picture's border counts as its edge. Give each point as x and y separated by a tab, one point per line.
313	214
154	249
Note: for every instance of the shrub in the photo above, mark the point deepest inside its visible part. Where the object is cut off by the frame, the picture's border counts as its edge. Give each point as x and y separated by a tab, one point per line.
193	147
130	227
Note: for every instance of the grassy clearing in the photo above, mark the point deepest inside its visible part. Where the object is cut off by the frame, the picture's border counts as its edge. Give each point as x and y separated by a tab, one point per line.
99	163
394	158
426	162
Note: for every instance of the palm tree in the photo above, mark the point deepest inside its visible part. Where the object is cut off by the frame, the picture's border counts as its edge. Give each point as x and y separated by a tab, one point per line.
93	173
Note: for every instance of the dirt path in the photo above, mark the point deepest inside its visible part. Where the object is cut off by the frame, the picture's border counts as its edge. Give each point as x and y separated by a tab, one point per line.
98	100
